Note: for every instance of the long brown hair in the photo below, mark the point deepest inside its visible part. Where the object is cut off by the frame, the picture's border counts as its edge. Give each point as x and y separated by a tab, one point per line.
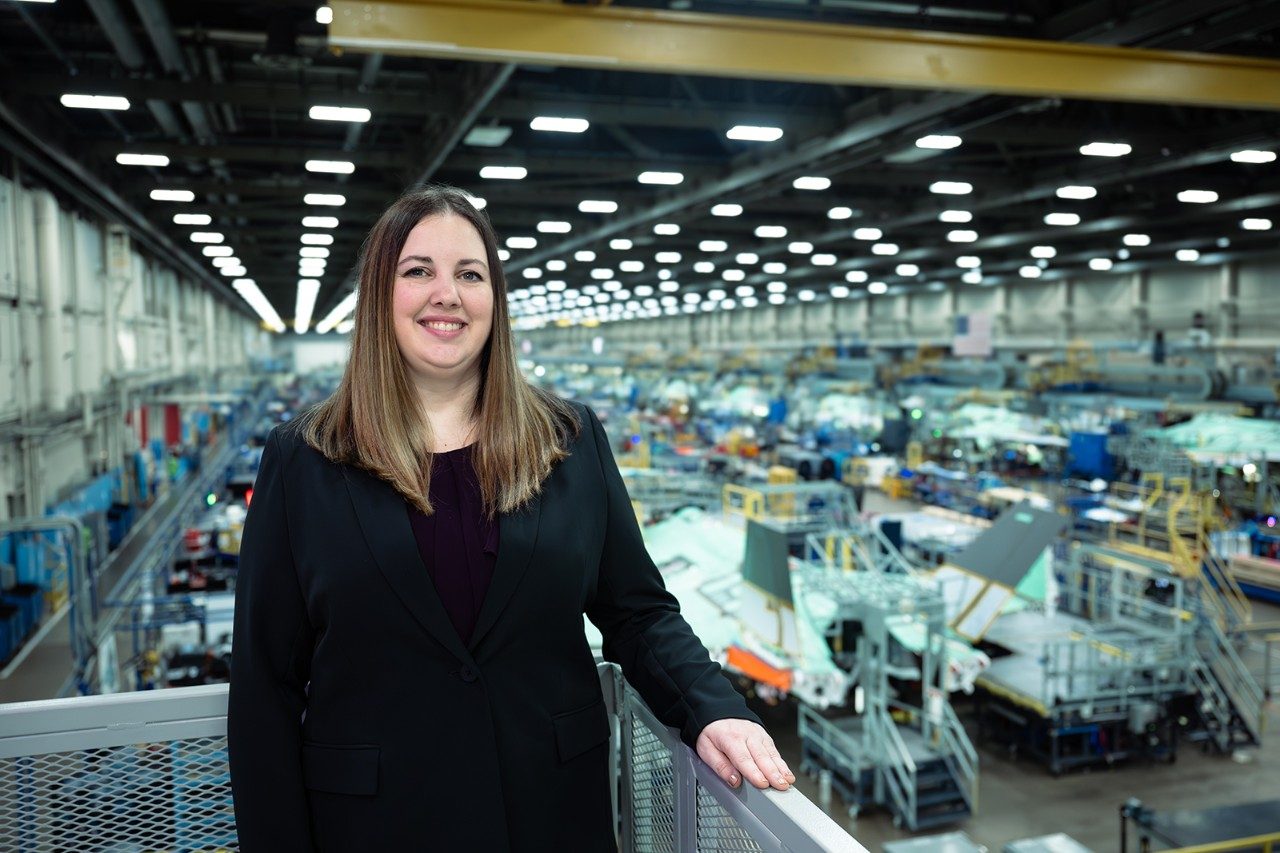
375	420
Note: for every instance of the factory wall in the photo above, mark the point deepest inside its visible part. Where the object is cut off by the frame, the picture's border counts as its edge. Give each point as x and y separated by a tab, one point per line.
75	314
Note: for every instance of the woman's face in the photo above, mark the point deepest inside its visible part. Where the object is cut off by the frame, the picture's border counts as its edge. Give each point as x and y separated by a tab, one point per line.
443	299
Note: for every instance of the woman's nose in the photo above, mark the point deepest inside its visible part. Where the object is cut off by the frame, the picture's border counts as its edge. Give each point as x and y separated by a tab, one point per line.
445	295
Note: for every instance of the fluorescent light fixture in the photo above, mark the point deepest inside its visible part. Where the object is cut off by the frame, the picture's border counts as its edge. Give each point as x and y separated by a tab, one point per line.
521	242
856	276
192	219
487	136
1062	219
840	213
325	199
1100	264
338	314
206	237
823	260
1077	192
504	255
877	287
602	274
477	202
713	246
556	265
704	267
1198	196
777	298
631	266
951	187
1105	149
324	15
1187	255
884	249
968	262
318	239
811	182
95	102
504	173
962	235
867	233
733	275
666	229
172	195
560	125
586	256
669	179
800	247
1137	239
839	291
1030	271
217	251
325	113
726	210
313	252
754	133
531	272
750	302
775	268
771	231
805	295
716	295
907	269
1123	254
620	244
939	141
345	327
744	290
667	257
1043	252
304	304
551	226
331	167
1251	156
233	271
226	261
319	222
747	258
555	286
249	291
955	216
597	206
125	159
972	277
1254	224
776	287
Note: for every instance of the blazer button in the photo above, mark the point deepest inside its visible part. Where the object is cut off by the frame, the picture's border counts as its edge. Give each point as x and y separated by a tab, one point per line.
467	674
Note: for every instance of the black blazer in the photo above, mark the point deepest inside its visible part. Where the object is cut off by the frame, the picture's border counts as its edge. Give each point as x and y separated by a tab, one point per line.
358	720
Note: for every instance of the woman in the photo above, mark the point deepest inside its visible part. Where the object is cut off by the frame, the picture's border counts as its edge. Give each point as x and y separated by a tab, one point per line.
409	668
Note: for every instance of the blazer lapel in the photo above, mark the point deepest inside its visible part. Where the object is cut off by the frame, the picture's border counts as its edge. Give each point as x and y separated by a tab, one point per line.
517	536
384	521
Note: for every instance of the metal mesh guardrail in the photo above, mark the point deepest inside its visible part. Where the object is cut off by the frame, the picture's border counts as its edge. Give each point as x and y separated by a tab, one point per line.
141	772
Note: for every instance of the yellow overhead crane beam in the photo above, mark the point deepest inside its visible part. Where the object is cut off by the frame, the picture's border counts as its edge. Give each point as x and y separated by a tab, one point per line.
629	39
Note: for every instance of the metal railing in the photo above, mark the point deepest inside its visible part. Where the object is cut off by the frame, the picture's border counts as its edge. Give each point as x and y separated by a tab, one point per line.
961	754
148	771
897	770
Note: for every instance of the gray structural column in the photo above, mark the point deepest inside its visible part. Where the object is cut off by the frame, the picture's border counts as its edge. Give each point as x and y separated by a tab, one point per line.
49	266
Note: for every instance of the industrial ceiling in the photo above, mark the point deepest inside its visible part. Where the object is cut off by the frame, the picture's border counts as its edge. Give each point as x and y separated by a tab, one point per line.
859	188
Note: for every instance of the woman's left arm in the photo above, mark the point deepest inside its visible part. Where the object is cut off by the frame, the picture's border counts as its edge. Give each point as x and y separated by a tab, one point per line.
659	653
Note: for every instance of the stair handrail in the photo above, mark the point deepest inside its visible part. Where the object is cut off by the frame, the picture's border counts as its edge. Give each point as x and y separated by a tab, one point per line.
961	750
897	768
1241	688
1211	694
1225	581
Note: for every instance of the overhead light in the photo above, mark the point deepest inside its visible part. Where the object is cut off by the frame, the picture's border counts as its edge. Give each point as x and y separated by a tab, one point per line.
856	276
956	216
713	246
839	291
968	262
877	287
1252	156
726	210
1255	224
504	173
586	256
775	268
620	244
907	269
811	182
1122	254
217	251
95	102
1030	271
1105	149
667	257
602	274
206	237
733	275
747	258
631	266
1137	240
339	313
776	287
1043	252
771	231
1077	192
1100	264
597	206
823	260
325	199
800	247
951	187
754	133
531	272
750	302
972	277
233	271
319	222
962	235
477	202
744	290
356	114
1187	255
805	295
313	252
665	178
884	249
840	213
704	267
226	261
556	286
305	303
142	159
172	195
1062	219
192	219
777	298
560	125
1198	196
521	243
556	265
331	167
504	255
487	136
249	291
549	226
324	15
939	141
867	234
318	239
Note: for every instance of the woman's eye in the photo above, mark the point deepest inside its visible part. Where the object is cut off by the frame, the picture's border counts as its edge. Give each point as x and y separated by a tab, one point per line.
415	272
472	275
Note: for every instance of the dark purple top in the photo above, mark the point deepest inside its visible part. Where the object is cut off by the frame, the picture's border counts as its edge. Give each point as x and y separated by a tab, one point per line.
458	542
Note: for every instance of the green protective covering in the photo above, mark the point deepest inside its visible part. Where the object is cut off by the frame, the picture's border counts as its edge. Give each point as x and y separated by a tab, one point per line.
988	425
911	635
1209	434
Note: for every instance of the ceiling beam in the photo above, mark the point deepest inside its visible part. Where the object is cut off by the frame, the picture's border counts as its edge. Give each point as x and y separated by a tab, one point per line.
621	38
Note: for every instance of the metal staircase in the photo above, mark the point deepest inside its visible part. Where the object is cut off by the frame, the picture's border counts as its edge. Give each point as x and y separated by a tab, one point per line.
1231	699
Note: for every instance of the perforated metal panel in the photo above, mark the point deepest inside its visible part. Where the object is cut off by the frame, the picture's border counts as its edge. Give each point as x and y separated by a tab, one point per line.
173	796
718	831
653	792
